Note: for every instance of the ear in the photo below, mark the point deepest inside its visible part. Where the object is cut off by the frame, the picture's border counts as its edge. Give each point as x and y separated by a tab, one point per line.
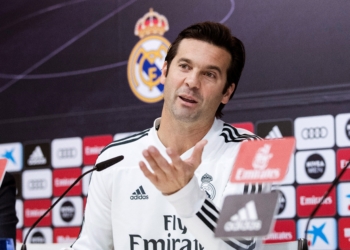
164	72
226	96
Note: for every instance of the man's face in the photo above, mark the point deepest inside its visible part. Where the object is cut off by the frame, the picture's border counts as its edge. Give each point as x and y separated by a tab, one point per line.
194	82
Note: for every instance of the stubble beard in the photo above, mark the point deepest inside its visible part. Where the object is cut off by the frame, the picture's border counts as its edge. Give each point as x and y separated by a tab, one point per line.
184	115
179	112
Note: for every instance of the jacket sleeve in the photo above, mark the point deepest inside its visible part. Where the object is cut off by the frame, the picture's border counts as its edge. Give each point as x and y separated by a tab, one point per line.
200	216
96	231
8	219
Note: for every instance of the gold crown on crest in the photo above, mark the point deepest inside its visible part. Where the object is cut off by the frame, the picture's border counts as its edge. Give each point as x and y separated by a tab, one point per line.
152	23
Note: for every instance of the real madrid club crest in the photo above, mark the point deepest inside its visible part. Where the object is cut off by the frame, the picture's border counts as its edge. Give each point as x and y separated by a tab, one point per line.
207	186
147	57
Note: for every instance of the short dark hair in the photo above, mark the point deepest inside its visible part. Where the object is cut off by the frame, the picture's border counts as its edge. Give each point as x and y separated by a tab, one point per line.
218	35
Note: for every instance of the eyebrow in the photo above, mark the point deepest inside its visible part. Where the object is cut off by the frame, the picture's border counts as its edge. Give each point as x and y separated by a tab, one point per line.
213	67
184	60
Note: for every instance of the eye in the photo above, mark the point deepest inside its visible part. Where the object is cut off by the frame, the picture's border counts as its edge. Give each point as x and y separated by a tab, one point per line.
184	66
210	74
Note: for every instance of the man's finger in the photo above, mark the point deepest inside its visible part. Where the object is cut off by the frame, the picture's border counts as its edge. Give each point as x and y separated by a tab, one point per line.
175	158
161	163
151	161
196	157
148	174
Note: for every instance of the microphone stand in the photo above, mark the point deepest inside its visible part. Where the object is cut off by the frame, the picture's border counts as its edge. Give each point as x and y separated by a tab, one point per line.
99	167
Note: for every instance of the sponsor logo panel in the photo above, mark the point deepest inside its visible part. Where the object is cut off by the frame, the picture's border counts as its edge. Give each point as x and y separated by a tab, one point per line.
263	161
37	154
86	179
65	234
247	215
40	235
290	176
13	153
343	157
33	209
343	191
287	206
309	196
245	125
68	212
344	233
92	146
67	152
342	122
63	178
315	166
19	213
322	233
314	132
275	129
37	184
284	231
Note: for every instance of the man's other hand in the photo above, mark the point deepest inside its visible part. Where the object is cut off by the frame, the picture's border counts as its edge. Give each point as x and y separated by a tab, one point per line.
171	177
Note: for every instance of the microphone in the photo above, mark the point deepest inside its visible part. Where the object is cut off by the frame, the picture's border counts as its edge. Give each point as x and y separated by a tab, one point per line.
106	164
99	167
335	182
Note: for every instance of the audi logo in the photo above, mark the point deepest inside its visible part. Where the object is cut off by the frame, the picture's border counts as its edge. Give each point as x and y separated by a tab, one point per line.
37	184
314	133
66	153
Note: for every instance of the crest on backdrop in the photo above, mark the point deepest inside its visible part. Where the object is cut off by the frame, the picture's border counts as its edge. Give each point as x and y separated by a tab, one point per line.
147	57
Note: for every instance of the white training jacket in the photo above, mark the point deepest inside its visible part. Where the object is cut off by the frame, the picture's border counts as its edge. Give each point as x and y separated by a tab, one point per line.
125	211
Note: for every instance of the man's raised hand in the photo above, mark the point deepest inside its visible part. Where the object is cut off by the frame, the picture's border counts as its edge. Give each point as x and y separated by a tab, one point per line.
171	177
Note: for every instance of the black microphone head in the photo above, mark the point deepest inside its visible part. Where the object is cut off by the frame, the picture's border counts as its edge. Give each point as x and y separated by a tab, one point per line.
106	164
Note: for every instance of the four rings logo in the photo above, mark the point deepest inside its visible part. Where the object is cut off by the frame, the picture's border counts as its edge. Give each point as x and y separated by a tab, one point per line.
37	184
64	153
314	133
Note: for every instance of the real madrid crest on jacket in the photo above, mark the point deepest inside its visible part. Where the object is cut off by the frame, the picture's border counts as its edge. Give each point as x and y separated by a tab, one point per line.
207	186
147	57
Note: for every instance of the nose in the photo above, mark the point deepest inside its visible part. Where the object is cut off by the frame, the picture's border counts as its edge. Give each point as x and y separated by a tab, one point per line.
192	80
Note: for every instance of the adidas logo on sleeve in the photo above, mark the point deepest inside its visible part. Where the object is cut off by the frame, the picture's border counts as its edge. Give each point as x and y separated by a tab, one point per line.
139	194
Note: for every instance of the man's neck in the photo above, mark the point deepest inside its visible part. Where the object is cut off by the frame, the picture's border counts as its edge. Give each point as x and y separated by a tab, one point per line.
181	136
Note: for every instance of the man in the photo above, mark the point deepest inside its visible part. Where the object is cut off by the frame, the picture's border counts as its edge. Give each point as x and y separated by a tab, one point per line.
167	192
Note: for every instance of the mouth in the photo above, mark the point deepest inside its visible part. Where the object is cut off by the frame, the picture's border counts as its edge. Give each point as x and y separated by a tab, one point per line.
187	99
